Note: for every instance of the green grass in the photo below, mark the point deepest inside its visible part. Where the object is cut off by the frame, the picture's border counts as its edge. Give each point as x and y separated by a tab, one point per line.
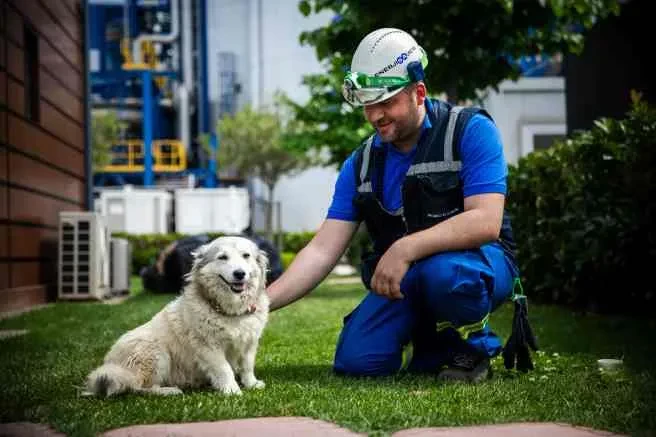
41	372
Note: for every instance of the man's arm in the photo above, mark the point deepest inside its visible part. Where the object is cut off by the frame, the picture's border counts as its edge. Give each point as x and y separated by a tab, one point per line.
313	263
478	224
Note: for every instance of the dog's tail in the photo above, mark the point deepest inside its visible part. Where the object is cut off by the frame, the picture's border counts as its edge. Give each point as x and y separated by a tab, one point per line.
111	379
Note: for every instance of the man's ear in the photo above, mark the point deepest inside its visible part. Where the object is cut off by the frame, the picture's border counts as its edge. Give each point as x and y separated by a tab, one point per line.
420	88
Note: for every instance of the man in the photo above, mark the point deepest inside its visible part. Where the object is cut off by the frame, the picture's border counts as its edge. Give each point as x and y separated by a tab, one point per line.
430	186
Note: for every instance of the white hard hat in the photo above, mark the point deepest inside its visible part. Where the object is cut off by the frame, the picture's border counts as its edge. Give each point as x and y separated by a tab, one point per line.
379	68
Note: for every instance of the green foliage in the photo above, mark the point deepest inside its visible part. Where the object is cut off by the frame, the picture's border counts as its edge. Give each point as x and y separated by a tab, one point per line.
253	143
470	45
295	241
583	215
286	259
105	131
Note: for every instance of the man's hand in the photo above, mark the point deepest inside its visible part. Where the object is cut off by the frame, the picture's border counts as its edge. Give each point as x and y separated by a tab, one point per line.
390	270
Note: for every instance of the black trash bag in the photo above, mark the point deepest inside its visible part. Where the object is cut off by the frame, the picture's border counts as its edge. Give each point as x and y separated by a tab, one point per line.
176	260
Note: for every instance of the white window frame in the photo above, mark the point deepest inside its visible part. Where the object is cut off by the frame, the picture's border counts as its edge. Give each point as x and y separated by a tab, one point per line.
530	130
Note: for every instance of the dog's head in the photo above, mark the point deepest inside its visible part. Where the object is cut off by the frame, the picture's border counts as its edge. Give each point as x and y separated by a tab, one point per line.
230	270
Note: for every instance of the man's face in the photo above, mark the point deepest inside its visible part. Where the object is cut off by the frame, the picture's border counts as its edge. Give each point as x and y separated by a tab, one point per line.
397	118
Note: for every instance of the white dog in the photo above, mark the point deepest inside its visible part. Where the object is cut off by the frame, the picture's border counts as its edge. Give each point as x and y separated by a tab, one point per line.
208	335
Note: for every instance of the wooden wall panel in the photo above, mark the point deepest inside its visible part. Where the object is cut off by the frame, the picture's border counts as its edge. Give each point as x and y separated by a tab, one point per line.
4	276
66	19
4	240
49	29
62	126
63	99
25	206
25	273
41	163
29	241
15	61
3	86
38	143
16	96
3	164
39	176
14	28
57	66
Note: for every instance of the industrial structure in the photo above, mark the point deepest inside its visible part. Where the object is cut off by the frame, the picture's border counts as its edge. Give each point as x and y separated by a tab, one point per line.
148	65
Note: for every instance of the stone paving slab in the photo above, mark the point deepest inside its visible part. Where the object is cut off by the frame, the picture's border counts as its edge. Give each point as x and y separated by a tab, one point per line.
304	426
525	429
257	427
26	429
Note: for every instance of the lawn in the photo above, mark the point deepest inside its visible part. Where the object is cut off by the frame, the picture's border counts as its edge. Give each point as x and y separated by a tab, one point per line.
41	372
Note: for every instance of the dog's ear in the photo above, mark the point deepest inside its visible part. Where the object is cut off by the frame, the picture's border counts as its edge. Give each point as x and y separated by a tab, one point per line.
200	258
263	262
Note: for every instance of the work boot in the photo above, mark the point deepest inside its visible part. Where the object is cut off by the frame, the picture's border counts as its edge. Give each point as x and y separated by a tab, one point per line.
466	367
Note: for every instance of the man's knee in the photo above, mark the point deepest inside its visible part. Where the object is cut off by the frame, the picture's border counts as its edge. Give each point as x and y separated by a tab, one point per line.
366	363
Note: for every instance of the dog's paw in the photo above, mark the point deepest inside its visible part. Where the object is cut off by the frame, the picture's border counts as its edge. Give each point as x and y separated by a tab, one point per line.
231	388
168	391
256	384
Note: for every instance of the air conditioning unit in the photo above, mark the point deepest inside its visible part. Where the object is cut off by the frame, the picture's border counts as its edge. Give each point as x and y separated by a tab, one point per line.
84	265
120	261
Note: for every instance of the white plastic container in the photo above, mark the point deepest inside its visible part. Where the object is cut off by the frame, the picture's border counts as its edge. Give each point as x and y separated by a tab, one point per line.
200	210
136	211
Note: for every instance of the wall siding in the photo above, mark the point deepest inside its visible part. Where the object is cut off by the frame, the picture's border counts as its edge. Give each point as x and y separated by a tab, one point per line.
42	169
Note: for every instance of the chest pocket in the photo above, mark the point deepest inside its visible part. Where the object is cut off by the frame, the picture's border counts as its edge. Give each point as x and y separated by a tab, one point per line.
431	198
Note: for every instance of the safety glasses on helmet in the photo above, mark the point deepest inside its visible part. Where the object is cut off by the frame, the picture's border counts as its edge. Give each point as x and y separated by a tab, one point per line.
363	89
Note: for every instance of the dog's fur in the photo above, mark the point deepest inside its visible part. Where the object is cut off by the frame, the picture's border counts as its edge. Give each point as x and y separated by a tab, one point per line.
207	335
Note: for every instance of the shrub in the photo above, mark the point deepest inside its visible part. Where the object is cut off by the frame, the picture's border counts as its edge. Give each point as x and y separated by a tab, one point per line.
286	259
583	217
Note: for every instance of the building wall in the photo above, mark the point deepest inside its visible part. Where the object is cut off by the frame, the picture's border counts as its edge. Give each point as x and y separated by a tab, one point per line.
234	26
42	164
525	109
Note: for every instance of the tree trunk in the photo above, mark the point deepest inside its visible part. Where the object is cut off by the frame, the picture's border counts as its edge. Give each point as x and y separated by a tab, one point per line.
269	214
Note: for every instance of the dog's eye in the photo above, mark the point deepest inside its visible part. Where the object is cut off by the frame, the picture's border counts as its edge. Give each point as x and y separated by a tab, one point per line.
247	255
223	257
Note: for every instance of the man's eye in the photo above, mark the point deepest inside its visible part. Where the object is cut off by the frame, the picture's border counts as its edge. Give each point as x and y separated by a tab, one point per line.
223	257
247	255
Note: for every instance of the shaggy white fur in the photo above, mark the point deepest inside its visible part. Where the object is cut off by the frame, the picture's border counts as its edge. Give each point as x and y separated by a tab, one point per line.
207	335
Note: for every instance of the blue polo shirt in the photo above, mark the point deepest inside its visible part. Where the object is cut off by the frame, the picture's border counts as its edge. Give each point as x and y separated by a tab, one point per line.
484	168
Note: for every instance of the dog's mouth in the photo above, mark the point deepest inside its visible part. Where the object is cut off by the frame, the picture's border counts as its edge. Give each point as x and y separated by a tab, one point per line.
235	286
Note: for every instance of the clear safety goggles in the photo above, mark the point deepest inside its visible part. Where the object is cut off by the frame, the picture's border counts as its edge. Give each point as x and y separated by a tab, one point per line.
362	89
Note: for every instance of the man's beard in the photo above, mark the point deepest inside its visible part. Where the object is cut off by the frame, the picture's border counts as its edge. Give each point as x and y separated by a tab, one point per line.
403	131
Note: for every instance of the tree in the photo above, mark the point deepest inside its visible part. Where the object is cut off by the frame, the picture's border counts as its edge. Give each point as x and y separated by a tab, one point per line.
471	44
253	144
106	130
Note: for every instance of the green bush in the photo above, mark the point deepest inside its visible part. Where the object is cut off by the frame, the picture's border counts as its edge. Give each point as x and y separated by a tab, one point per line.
286	259
295	241
583	217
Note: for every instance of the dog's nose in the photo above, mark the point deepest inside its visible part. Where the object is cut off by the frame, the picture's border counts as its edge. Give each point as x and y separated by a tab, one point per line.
239	274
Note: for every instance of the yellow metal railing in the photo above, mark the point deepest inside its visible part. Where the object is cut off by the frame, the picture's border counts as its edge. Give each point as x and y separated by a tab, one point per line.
128	157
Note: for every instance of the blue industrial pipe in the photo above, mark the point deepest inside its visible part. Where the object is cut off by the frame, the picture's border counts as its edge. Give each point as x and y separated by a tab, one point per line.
147	86
211	180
